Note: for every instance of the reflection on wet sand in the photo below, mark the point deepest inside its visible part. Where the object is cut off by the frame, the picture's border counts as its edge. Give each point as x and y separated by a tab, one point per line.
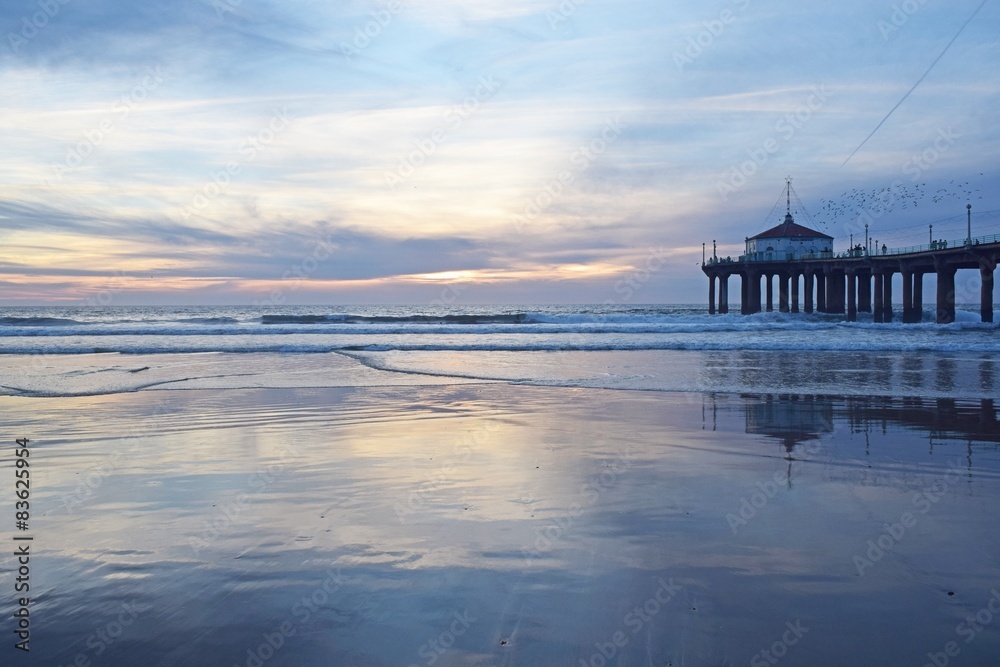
793	419
500	524
870	372
789	419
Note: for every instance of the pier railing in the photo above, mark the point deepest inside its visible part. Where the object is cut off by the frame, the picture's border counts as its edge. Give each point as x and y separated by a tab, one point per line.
943	244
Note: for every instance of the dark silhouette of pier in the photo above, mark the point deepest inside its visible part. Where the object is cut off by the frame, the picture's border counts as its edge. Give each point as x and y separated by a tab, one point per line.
858	280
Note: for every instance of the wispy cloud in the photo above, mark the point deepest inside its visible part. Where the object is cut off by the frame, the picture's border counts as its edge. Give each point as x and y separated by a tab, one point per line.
184	179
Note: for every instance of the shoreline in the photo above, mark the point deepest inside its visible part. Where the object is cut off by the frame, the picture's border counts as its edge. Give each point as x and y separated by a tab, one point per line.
959	375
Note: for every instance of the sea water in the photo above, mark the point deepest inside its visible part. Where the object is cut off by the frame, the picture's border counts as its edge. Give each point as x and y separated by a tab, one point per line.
72	350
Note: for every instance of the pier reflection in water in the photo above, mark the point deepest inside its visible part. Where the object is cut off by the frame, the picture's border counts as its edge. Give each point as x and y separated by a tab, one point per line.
865	373
794	420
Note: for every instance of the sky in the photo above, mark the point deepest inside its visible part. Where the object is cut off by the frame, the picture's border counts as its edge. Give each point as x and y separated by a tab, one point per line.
483	151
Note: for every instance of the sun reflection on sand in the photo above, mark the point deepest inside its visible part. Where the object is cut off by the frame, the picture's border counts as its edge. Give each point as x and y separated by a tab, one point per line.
562	504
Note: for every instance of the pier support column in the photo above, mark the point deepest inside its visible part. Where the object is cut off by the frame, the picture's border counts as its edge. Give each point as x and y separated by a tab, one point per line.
783	292
945	294
756	283
986	268
887	296
877	313
907	296
820	292
917	299
835	292
830	296
711	295
864	291
723	294
795	291
754	292
807	291
770	291
841	291
744	294
852	300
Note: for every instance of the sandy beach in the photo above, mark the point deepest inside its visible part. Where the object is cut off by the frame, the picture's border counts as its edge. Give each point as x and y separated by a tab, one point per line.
495	524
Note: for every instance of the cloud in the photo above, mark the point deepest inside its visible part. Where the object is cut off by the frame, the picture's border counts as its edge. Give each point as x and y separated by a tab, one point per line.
189	179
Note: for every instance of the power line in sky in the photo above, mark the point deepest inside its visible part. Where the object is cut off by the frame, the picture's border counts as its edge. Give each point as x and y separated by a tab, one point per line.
928	71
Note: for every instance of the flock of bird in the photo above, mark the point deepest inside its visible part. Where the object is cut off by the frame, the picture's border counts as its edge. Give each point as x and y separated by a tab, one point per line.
877	202
966	193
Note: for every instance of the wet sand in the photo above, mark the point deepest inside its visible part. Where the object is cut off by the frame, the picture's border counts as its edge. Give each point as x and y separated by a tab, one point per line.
507	525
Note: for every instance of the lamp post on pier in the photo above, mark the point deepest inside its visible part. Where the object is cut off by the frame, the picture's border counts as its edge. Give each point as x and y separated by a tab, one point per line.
968	237
930	233
714	257
703	254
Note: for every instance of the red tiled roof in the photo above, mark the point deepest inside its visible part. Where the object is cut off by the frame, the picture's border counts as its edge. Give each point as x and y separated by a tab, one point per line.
790	229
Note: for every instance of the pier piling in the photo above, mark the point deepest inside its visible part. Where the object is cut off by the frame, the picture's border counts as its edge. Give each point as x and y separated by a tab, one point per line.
878	314
986	269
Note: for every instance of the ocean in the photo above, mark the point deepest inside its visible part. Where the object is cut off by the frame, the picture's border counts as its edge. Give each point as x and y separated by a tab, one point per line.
68	350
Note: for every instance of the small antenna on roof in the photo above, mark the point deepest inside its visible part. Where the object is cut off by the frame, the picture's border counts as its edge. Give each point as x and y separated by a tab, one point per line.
788	195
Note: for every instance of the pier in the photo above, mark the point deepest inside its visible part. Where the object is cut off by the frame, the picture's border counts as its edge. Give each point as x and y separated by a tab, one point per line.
811	277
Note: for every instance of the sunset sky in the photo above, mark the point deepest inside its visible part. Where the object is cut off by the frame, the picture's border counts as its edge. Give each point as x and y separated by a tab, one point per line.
515	151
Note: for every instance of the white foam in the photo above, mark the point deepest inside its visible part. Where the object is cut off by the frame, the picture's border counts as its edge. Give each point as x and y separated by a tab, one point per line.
95	374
